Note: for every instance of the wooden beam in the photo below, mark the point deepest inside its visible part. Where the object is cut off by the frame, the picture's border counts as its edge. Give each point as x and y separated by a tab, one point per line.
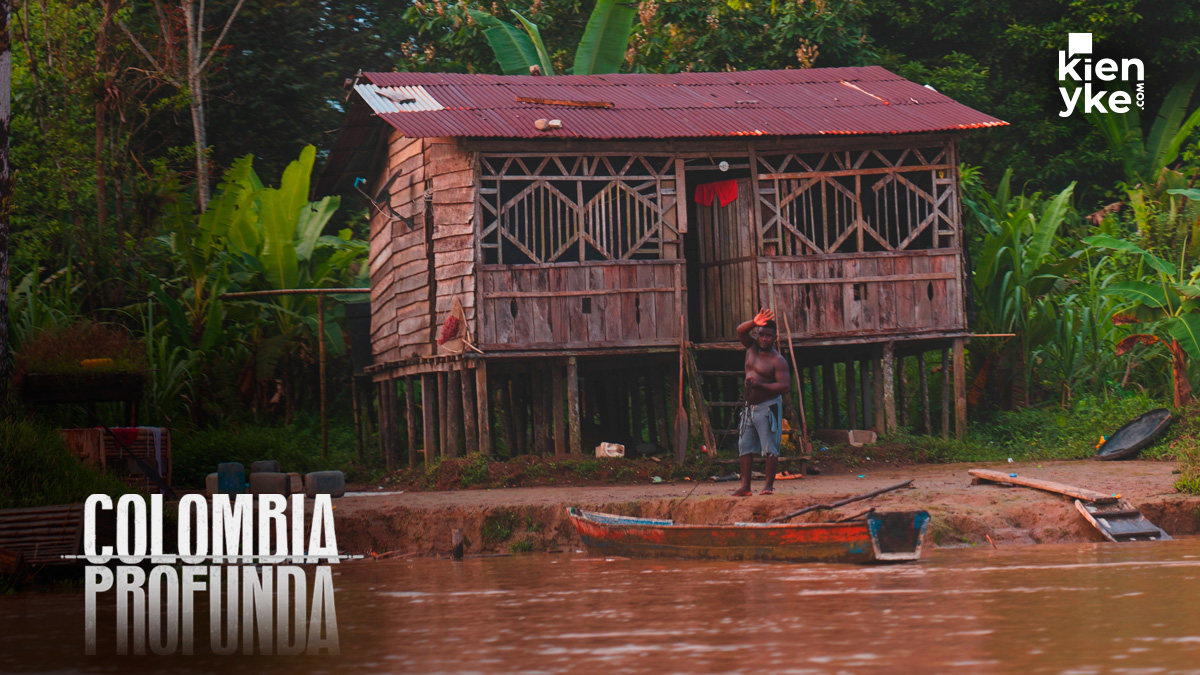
902	390
443	388
556	402
355	395
829	375
960	389
945	393
411	422
508	415
576	443
470	419
381	388
868	394
926	422
429	416
851	396
454	415
889	386
877	394
482	409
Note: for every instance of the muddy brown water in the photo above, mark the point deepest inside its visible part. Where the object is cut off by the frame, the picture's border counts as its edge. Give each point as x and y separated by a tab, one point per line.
1072	609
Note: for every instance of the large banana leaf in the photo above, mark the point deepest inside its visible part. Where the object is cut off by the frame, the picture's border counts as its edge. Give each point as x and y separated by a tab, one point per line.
1155	262
279	231
602	47
536	36
513	49
313	218
1046	229
1152	295
1185	328
1170	129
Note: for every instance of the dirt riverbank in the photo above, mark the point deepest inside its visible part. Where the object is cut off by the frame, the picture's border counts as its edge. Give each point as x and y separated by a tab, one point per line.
525	519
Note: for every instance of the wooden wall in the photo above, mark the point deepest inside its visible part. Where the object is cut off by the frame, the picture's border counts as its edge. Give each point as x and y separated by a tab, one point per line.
871	294
581	305
451	174
403	325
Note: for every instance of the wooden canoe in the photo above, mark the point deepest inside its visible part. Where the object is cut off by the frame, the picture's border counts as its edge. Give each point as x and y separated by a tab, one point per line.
1129	440
881	537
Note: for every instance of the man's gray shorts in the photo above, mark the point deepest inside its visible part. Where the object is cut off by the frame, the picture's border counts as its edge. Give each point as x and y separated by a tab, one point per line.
761	429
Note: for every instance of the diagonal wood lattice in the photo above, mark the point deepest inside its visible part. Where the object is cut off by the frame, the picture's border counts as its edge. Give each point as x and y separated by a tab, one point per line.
573	208
858	201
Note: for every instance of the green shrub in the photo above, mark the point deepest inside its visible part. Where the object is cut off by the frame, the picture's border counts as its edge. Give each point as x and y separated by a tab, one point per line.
296	448
37	469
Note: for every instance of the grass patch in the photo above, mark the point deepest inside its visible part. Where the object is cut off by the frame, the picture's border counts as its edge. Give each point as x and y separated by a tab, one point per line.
37	469
498	526
522	546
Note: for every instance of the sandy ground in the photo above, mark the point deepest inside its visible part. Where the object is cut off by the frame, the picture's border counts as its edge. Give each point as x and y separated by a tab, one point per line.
516	519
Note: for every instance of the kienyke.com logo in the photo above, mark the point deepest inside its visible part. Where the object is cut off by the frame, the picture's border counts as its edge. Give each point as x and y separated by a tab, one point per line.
245	560
1084	80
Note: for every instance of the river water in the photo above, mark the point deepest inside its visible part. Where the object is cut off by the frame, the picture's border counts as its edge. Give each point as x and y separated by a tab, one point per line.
1068	609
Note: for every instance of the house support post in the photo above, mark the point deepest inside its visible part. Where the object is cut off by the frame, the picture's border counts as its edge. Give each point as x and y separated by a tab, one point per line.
470	419
851	395
945	393
960	388
889	385
576	443
429	415
482	409
557	402
926	423
410	410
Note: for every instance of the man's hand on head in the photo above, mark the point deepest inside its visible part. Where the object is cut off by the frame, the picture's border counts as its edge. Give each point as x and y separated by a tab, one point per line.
764	315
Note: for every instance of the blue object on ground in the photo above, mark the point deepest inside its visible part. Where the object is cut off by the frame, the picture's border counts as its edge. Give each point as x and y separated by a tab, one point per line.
231	478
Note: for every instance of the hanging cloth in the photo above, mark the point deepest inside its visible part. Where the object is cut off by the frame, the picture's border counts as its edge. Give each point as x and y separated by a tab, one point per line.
725	191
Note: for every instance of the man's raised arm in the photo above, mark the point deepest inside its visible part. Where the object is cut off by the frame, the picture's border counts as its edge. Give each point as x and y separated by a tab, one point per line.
743	330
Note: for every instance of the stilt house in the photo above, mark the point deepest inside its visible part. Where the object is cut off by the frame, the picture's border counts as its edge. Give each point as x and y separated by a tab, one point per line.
590	226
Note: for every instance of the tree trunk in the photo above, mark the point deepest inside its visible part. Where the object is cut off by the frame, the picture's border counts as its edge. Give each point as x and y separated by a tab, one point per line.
6	193
195	87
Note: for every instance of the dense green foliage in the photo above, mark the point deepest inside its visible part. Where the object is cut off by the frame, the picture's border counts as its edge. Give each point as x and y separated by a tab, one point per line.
37	469
1084	232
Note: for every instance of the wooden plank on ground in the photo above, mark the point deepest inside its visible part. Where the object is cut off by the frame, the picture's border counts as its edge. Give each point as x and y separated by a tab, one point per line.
1049	486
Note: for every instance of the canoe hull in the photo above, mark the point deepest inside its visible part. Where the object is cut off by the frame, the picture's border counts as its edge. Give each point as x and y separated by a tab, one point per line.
859	541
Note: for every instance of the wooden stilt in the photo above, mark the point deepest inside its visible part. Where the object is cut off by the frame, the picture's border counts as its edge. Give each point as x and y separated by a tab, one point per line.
410	421
926	425
482	409
521	399
383	439
368	409
820	421
889	385
851	396
945	393
877	393
573	421
470	419
454	415
557	405
636	406
508	416
902	391
864	374
539	414
622	408
960	388
443	390
655	408
829	392
429	416
354	396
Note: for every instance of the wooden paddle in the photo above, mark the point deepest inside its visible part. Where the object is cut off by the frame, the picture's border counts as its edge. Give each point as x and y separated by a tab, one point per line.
681	420
805	446
848	500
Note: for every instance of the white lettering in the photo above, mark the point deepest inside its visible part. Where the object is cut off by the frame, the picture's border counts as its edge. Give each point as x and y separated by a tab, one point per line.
138	504
96	580
89	529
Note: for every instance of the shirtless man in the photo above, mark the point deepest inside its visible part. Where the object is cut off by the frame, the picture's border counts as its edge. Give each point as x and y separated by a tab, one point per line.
767	380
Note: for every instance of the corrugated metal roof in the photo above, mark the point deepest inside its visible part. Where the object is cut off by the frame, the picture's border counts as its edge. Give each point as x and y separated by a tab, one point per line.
809	102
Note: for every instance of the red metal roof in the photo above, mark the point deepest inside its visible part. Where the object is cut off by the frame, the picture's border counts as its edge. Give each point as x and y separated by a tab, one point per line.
811	102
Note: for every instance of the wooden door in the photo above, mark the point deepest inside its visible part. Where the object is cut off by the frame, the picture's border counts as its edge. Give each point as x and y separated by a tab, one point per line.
728	278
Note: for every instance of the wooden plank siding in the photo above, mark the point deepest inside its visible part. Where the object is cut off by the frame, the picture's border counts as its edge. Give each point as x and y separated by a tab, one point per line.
867	294
399	308
451	173
580	305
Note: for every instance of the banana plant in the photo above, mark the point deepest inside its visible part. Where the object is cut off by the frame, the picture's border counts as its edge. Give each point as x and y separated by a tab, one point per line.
601	50
1144	156
1018	265
1164	300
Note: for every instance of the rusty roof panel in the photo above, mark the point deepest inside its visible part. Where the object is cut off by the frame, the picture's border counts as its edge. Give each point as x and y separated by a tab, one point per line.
868	100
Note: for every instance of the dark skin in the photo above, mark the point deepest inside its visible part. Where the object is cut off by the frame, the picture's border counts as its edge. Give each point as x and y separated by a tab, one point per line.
766	377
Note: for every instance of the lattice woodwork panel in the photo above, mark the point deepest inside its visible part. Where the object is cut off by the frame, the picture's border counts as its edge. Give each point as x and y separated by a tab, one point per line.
860	201
576	208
